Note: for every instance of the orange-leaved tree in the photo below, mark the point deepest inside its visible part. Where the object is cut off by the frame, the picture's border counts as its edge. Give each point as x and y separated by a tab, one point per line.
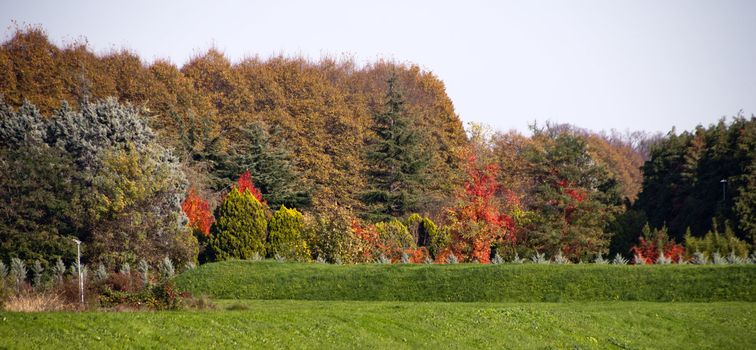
197	210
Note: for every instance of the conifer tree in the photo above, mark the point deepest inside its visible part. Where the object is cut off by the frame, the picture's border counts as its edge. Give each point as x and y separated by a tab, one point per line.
270	165
240	228
286	235
396	167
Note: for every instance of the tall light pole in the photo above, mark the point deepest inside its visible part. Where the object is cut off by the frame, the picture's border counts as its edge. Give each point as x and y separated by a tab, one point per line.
724	186
78	266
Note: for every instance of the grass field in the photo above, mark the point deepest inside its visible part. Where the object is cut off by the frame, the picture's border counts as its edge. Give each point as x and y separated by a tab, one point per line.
360	324
402	306
472	282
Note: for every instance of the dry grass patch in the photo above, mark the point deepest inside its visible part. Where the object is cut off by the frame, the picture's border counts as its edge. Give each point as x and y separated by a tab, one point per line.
36	303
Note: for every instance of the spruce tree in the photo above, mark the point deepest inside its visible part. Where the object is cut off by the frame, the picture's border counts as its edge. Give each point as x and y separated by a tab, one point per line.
269	164
396	165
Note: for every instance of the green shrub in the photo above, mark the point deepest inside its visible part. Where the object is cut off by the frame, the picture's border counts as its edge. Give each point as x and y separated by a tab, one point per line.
440	238
240	228
716	242
395	237
330	235
163	296
286	237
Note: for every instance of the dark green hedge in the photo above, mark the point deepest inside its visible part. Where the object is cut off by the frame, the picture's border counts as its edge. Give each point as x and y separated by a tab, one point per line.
471	282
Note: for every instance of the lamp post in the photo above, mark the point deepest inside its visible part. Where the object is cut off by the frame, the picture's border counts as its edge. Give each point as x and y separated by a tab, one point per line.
724	186
78	266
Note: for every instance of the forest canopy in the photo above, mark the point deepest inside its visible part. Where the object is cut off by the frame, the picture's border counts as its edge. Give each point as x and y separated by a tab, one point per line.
360	163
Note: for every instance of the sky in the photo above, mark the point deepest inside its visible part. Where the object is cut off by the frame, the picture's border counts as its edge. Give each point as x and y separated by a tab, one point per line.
605	64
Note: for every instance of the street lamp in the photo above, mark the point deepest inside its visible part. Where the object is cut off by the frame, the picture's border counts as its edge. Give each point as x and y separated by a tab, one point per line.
724	185
78	265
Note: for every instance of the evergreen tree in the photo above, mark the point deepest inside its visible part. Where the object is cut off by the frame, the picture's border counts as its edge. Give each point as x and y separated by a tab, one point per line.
240	228
96	174
286	235
270	165
694	177
573	199
396	167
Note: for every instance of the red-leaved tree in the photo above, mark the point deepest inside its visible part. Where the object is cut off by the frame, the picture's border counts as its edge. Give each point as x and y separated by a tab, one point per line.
198	212
245	183
477	221
654	242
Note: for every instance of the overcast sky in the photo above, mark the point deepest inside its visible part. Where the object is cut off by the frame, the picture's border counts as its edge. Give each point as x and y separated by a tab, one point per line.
638	65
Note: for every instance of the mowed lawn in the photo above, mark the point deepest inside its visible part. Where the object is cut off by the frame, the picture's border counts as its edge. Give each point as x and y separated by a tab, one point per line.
317	306
379	324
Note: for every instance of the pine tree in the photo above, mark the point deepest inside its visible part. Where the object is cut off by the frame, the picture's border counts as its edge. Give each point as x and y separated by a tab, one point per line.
240	228
396	163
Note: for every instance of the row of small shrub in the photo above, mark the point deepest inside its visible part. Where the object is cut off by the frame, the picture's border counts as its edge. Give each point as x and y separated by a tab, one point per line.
244	228
58	287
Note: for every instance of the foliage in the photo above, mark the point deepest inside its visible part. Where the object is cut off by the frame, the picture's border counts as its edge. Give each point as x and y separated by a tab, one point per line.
166	269
277	177
619	260
286	235
714	241
144	270
393	239
58	270
138	209
472	282
37	270
396	167
331	237
245	183
683	179
197	211
162	296
18	272
477	222
655	244
121	194
240	227
38	212
572	198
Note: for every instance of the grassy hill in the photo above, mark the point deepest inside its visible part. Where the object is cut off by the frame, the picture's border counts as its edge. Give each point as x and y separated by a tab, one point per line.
470	282
395	325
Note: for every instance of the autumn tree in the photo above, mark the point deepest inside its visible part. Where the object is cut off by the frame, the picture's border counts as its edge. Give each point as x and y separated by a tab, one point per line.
478	220
197	210
571	196
323	110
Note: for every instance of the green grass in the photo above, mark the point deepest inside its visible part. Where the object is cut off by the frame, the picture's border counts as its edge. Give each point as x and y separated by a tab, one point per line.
471	282
407	306
359	324
344	324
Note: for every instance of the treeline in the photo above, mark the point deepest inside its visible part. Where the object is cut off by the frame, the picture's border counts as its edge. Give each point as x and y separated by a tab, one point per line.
320	112
326	160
